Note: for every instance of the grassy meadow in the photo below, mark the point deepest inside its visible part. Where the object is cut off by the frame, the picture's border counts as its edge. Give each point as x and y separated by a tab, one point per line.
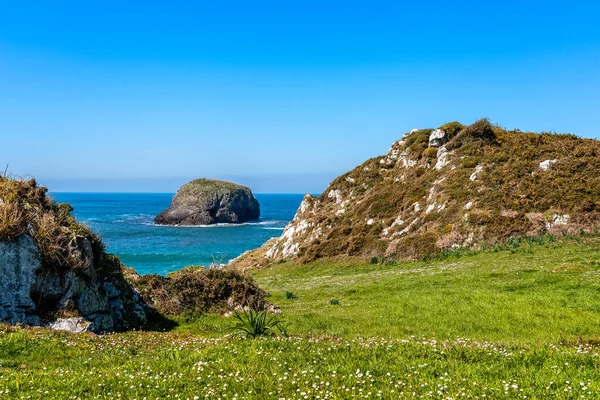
518	321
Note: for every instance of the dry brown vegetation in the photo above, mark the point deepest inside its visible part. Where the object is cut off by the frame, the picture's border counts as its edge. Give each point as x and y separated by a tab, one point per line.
491	190
26	207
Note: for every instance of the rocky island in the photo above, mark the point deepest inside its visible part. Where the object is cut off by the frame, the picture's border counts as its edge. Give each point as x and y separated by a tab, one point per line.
209	201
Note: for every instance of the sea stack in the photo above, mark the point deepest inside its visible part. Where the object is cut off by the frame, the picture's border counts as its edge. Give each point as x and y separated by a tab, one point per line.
208	201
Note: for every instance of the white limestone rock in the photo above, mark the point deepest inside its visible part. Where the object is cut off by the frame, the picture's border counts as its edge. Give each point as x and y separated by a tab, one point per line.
442	158
437	138
335	194
558	220
74	325
545	165
473	176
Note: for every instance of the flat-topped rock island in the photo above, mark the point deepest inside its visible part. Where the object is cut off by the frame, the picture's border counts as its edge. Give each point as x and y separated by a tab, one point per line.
209	201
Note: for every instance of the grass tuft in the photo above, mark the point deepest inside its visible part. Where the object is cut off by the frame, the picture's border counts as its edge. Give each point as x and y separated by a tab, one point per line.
290	295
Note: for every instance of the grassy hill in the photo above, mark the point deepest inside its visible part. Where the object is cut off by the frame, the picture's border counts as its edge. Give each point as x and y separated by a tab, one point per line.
480	185
518	321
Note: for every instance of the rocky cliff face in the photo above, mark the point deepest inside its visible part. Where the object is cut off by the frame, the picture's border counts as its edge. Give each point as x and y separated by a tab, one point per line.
448	188
207	201
54	271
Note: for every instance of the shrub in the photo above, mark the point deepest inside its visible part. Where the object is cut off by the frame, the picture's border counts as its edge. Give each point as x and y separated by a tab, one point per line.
479	133
430	152
335	302
12	221
195	290
452	129
418	142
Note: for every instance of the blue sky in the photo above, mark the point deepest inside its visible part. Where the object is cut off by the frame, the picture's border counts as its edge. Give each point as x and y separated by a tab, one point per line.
282	96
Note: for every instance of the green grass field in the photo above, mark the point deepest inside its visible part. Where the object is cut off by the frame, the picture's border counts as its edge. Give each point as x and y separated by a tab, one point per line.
520	322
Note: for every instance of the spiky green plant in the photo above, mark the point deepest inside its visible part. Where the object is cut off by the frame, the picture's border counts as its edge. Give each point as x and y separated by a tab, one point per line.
253	324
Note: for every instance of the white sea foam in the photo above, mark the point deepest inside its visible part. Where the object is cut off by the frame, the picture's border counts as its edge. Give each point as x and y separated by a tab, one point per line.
142	219
225	225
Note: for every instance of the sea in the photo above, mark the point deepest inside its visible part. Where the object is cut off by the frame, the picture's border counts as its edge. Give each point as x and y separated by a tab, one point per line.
126	223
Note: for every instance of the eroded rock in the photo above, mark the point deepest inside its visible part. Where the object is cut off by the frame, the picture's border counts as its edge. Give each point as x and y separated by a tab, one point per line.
31	293
208	201
437	138
20	260
75	325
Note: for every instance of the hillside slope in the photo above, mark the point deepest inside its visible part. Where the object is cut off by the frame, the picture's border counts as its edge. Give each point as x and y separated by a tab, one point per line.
452	187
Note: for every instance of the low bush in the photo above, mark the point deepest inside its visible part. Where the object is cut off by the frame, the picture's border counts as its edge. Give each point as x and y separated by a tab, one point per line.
478	134
195	290
430	152
452	129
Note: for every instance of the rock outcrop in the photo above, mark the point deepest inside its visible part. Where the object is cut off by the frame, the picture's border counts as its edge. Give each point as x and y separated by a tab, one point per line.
208	201
54	272
437	138
33	294
453	187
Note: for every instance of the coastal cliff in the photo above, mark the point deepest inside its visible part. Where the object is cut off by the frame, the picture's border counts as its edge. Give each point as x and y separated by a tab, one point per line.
455	187
54	271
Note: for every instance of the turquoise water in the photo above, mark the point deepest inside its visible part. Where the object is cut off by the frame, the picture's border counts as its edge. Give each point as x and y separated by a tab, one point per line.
126	223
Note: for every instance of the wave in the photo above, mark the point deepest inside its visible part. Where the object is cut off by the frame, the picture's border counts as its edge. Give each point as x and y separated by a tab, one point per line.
225	225
134	218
